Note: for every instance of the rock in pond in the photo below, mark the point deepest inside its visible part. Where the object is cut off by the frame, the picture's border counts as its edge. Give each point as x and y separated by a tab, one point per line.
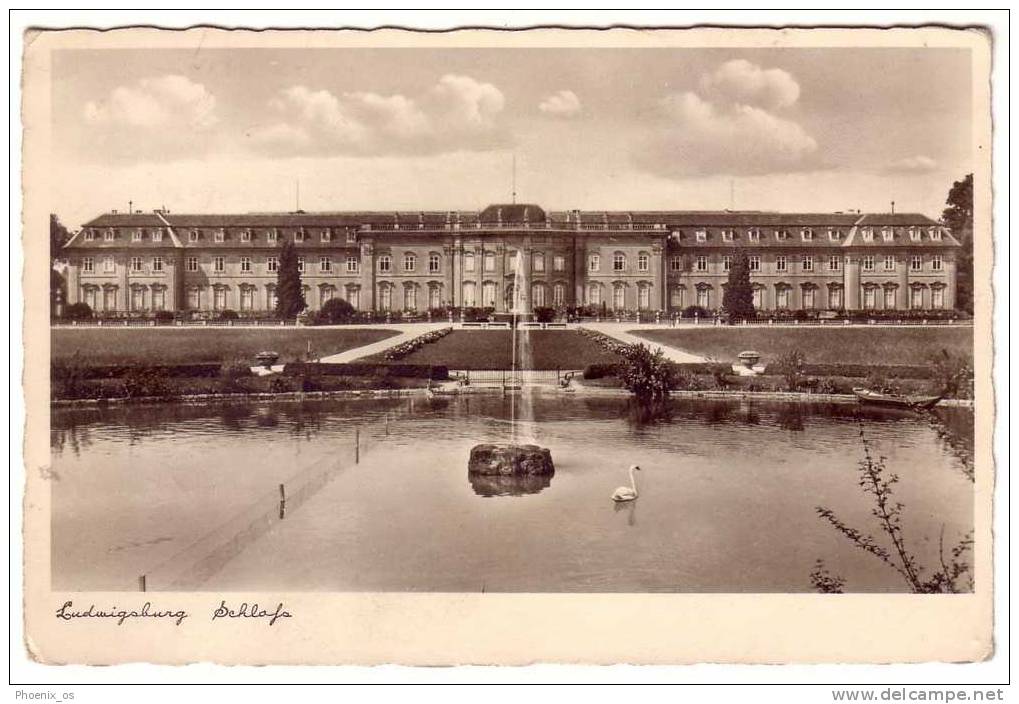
514	460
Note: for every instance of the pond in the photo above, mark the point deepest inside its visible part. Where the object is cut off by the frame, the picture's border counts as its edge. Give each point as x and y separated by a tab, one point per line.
189	496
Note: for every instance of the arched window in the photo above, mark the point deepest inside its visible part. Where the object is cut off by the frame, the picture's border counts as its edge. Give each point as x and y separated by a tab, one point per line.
594	294
469	262
385	297
488	290
619	297
410	297
435	296
558	294
469	300
247	297
538	295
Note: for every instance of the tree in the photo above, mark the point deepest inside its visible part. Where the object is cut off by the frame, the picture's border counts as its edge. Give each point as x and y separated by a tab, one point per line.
335	310
59	236
958	217
738	300
289	293
647	375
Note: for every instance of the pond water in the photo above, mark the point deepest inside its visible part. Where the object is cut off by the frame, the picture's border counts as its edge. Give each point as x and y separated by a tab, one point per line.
189	496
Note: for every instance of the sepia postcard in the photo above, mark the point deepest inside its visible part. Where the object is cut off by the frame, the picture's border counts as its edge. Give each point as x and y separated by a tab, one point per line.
650	346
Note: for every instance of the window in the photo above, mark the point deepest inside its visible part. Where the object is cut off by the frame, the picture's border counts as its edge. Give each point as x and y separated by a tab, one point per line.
869	298
889	262
220	235
88	265
643	262
558	263
191	264
676	297
834	262
538	295
386	297
272	237
89	236
109	235
538	262
594	295
157	235
808	298
194	298
868	234
410	298
488	294
136	236
755	263
914	234
219	298
272	264
889	298
916	297
704	297
619	298
351	237
469	262
726	263
675	264
137	298
935	234
916	263
325	264
782	298
193	236
593	262
247	298
246	265
780	263
937	297
245	235
157	265
354	297
868	262
299	236
91	296
558	294
834	298
644	297
468	294
217	264
807	234
434	297
158	298
353	264
136	264
728	235
410	262
618	262
888	234
434	263
109	298
701	235
936	262
834	235
808	262
702	262
327	235
782	235
754	235
385	264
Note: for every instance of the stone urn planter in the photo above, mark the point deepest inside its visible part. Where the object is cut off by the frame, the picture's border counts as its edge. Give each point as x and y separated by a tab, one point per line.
748	363
267	359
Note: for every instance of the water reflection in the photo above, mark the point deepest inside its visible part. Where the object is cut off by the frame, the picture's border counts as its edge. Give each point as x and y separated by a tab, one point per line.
627	507
509	485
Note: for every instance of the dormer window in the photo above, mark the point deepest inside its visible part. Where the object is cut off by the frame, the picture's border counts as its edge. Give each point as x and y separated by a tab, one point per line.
220	235
702	235
868	234
157	235
327	235
193	236
782	234
728	235
136	236
272	236
299	236
935	234
245	235
351	237
914	234
754	235
807	234
109	235
90	235
887	234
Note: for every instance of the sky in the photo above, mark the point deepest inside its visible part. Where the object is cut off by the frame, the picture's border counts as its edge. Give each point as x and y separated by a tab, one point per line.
236	130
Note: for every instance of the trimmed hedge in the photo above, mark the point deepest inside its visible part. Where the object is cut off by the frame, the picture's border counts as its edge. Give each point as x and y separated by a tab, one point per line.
204	370
412	371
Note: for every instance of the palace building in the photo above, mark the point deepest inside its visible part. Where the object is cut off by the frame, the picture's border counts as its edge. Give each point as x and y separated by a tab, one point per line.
415	261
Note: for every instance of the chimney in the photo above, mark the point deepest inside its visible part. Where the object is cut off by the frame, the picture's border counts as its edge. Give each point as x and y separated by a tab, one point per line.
893	207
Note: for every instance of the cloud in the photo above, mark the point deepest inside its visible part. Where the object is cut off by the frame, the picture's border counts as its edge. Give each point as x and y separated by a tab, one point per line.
170	100
744	83
733	128
911	165
457	113
564	103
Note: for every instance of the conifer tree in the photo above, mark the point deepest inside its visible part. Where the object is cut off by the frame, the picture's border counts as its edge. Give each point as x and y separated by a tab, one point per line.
738	301
289	294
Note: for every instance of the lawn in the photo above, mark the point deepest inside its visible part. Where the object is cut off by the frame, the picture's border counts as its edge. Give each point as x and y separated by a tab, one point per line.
820	345
493	349
171	345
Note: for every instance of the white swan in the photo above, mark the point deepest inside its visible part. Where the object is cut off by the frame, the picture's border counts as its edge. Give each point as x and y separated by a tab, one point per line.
627	493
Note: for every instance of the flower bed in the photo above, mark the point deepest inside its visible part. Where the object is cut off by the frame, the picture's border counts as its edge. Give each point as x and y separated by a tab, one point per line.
402	350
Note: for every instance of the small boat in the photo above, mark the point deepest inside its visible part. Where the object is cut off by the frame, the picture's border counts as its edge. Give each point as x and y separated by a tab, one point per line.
877	398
